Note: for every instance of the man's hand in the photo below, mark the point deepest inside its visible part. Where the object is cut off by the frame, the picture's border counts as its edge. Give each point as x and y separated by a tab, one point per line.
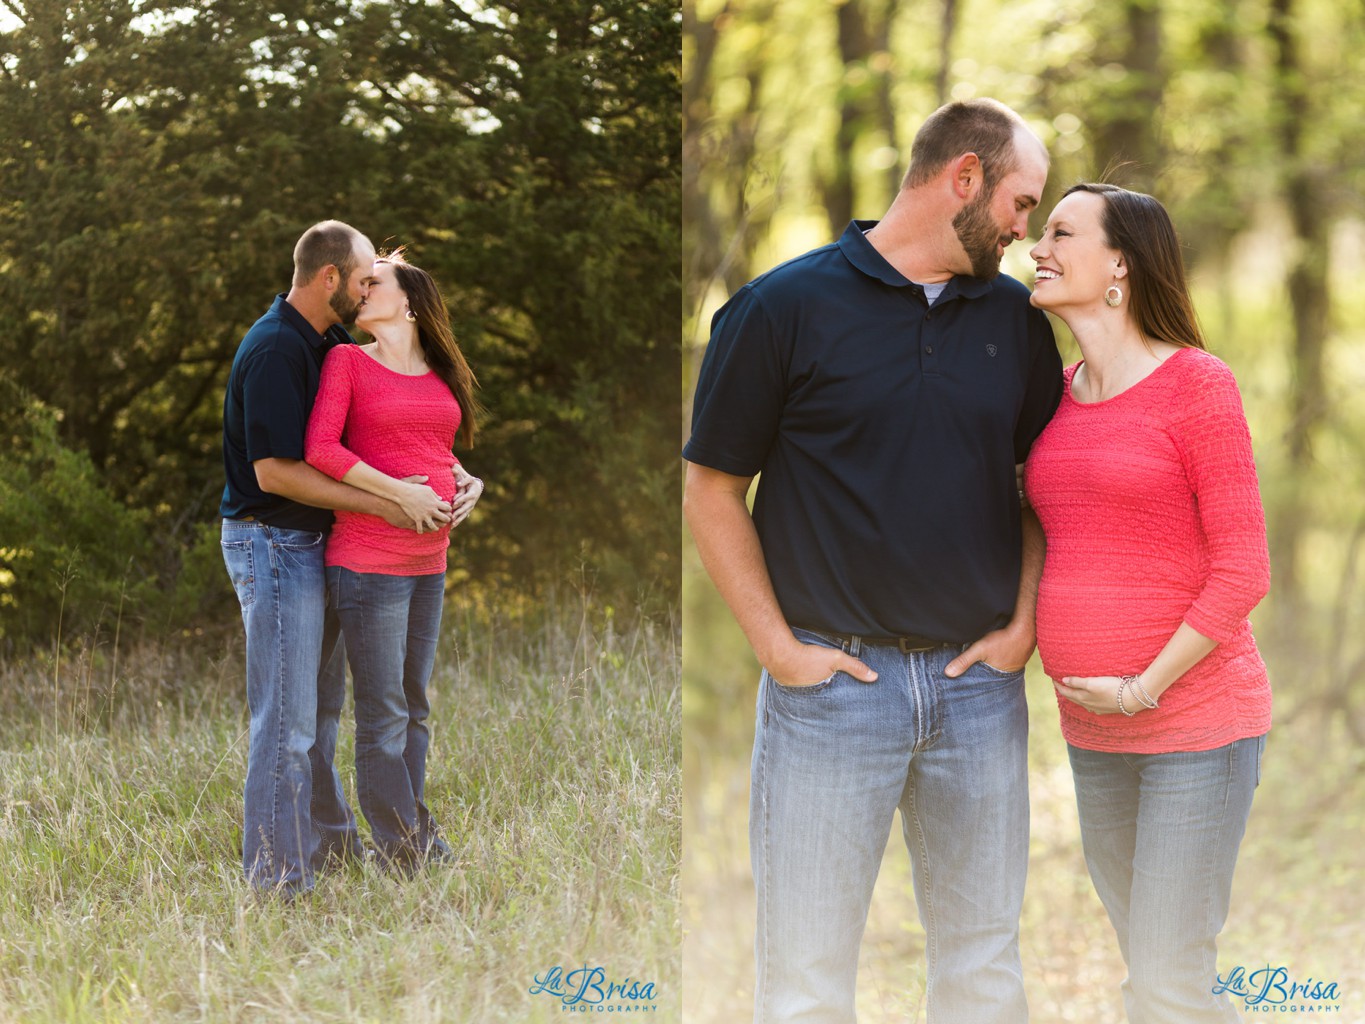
1005	650
396	515
801	664
423	506
468	491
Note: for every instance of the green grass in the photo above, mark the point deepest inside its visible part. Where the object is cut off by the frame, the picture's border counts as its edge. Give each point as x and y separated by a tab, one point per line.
554	769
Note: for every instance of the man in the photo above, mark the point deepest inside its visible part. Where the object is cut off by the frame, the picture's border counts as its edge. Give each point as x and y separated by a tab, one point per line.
885	387
276	514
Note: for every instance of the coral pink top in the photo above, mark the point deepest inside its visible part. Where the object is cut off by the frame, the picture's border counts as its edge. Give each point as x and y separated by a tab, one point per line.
1153	517
398	424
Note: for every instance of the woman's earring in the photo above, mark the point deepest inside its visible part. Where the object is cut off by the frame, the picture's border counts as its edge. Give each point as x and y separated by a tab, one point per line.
1113	295
411	317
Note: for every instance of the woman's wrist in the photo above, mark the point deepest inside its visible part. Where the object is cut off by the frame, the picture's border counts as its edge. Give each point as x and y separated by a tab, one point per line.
1139	692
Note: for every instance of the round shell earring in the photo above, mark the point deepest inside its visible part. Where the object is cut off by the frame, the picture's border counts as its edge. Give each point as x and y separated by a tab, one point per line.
1113	295
411	317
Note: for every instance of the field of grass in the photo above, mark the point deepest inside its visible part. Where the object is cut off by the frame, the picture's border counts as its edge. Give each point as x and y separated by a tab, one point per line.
554	769
1299	897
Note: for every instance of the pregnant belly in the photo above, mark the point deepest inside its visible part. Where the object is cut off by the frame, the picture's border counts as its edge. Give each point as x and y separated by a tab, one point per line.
1109	630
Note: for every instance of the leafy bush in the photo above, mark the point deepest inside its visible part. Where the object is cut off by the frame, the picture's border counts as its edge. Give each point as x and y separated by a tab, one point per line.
71	555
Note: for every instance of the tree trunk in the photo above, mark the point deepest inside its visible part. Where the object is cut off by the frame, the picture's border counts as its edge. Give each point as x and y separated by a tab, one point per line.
945	50
864	28
1126	143
702	245
855	47
1309	303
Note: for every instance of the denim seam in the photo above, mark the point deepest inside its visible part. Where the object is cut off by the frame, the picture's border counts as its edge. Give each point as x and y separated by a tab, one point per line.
938	706
917	697
1211	969
764	968
913	664
279	702
318	825
358	655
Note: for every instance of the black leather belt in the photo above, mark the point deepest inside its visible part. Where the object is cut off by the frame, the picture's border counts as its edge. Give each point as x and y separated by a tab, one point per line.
910	643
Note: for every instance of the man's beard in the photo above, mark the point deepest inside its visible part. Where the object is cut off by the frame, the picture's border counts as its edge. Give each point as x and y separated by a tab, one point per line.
980	236
344	306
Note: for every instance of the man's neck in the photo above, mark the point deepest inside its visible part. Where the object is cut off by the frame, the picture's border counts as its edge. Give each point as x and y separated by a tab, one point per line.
916	239
313	308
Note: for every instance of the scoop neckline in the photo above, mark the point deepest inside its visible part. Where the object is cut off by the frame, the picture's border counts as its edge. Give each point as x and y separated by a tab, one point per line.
397	373
1126	391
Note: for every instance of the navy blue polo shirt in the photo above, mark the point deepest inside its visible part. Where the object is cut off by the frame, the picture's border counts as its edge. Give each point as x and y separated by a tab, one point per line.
885	431
270	395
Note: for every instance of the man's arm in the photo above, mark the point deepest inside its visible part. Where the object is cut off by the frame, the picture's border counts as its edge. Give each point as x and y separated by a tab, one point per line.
1009	648
733	557
420	504
298	481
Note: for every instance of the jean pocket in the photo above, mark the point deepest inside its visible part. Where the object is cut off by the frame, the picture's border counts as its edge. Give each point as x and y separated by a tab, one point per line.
810	639
1000	673
241	570
299	540
806	690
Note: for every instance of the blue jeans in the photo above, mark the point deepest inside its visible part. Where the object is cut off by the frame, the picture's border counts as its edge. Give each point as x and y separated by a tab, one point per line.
831	765
1161	833
391	624
295	810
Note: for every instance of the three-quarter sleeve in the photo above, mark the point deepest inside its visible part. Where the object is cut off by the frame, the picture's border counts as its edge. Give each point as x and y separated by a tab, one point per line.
327	423
1210	431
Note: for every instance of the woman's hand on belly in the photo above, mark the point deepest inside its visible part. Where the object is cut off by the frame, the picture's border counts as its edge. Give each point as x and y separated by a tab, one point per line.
1097	694
423	506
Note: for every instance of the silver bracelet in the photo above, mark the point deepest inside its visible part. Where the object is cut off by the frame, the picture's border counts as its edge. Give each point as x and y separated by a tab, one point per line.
1122	683
1148	701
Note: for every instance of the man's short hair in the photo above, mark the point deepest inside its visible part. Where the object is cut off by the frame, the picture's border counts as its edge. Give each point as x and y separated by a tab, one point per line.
983	126
328	242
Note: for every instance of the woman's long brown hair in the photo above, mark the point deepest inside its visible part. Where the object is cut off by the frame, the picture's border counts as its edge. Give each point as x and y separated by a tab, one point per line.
442	354
1159	297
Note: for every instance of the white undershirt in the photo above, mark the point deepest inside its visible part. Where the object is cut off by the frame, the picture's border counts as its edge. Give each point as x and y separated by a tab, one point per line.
932	291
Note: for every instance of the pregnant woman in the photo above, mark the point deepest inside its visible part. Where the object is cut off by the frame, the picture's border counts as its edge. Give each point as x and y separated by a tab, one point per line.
388	412
1156	553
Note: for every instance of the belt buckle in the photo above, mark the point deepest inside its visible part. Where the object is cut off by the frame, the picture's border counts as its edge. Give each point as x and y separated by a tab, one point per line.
909	647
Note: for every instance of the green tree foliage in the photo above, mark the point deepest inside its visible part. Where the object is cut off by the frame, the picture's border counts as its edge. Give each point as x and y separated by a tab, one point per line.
557	220
159	159
68	581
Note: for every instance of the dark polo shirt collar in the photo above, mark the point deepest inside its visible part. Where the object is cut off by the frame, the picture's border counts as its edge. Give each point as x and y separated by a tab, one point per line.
320	343
864	255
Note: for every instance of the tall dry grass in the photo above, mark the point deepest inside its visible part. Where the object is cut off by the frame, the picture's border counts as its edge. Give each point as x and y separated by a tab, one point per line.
554	769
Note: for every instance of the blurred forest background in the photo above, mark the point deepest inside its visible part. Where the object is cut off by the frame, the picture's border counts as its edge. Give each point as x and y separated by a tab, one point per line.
1243	118
158	160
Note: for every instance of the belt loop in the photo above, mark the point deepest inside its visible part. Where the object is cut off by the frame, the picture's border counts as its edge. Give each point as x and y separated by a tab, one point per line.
855	644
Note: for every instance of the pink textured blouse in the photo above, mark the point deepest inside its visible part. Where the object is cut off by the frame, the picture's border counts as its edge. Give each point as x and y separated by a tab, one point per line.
398	424
1153	517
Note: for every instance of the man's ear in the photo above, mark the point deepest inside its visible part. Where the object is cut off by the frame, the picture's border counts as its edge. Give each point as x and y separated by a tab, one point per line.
968	176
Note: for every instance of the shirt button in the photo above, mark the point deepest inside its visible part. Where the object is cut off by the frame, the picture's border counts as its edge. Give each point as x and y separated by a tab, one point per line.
929	349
